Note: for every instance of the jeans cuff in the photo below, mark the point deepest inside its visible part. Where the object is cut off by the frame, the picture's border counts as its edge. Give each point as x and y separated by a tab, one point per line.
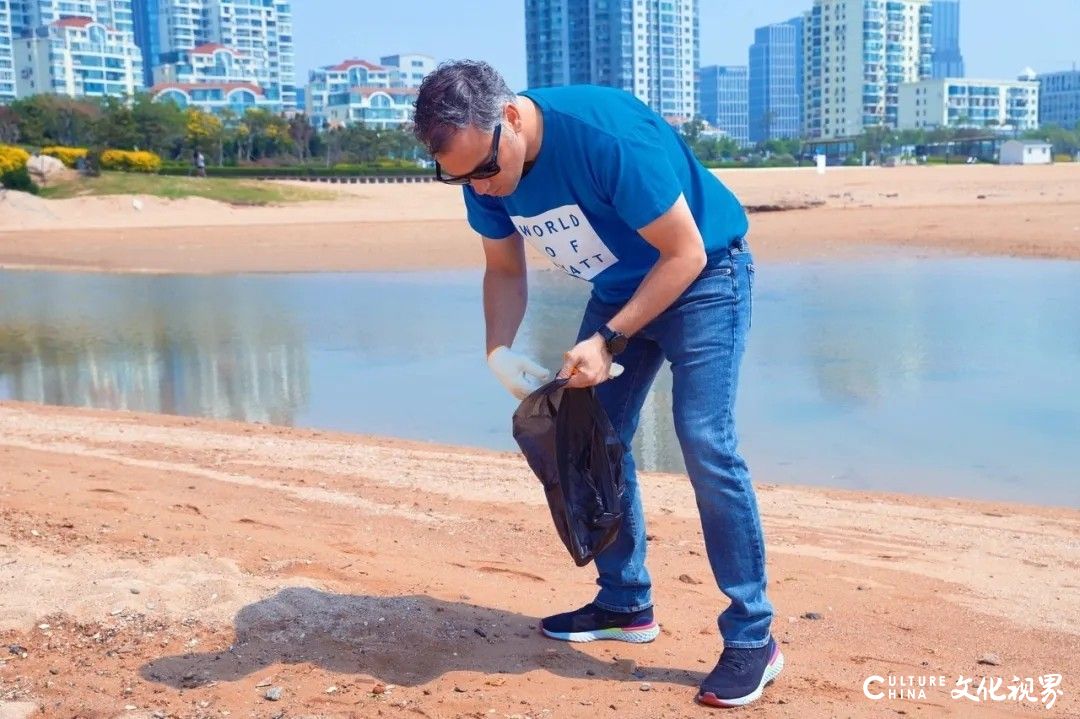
621	610
747	645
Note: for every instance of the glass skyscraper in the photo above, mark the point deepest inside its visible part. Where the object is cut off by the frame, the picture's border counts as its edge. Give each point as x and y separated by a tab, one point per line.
1059	98
147	37
725	100
647	47
947	60
775	82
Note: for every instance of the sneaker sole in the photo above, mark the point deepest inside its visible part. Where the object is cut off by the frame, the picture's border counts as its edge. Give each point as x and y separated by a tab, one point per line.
771	672
635	635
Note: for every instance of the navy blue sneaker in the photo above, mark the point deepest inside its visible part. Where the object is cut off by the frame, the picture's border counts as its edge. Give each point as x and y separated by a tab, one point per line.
740	675
591	623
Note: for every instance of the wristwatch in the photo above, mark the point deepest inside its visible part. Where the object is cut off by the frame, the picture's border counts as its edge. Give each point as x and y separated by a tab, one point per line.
615	341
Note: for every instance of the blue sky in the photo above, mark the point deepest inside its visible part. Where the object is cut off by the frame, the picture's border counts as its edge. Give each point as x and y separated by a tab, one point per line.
999	38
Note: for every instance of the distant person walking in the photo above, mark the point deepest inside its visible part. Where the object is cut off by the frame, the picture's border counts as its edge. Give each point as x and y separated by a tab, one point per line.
200	163
607	189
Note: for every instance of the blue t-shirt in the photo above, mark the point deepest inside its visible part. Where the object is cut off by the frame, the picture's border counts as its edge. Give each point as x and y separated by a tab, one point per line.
608	166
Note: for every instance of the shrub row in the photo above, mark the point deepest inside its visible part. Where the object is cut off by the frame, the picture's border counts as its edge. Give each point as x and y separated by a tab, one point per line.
12	158
67	155
13	174
128	161
297	171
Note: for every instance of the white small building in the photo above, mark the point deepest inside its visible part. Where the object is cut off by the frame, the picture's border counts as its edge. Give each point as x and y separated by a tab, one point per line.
79	57
967	102
331	84
215	98
375	107
209	62
408	70
1026	152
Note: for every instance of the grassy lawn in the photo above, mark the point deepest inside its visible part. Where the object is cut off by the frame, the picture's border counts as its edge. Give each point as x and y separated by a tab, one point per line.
232	191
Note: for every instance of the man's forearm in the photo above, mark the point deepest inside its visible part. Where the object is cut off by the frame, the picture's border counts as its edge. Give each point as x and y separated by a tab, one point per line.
505	298
666	281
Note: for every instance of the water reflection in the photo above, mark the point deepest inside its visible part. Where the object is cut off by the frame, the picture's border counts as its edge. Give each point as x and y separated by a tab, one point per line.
191	346
947	377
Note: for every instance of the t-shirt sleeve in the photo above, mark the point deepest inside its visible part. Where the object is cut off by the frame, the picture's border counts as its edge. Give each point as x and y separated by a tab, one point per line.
633	172
487	215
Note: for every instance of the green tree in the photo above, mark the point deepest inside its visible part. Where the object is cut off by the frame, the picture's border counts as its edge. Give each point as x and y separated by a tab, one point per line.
116	128
159	126
784	146
359	143
716	149
875	140
202	131
47	119
691	131
9	125
228	136
269	134
911	137
301	133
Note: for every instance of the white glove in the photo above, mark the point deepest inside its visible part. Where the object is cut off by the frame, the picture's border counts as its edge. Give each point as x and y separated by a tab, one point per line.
518	373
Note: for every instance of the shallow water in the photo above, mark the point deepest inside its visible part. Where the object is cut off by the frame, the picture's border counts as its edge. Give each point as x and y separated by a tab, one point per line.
956	377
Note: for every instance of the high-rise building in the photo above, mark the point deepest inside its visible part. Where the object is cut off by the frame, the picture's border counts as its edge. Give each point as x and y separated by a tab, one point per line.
259	29
71	47
181	25
725	100
28	15
7	55
966	102
647	47
856	54
147	35
79	57
1059	98
117	14
776	81
947	60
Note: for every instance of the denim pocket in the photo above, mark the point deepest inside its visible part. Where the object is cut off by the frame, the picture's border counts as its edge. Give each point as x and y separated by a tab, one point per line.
716	283
715	271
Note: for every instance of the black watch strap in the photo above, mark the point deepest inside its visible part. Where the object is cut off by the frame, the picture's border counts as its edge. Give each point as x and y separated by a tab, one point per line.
615	341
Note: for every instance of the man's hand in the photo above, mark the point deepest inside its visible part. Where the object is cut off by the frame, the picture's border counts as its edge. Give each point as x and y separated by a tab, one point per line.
518	373
589	363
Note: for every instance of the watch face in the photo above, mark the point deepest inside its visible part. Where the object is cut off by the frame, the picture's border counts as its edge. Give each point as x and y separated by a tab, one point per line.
617	344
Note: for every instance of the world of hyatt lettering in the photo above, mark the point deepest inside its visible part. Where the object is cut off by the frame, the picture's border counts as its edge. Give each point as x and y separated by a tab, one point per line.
560	224
549	228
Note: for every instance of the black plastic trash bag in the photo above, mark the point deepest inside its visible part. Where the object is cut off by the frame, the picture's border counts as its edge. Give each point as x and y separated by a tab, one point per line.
570	444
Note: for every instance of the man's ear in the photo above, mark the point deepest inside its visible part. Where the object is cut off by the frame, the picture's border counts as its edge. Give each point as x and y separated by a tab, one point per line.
513	116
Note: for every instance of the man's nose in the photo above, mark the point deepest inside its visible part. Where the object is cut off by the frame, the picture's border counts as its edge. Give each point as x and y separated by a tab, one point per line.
481	186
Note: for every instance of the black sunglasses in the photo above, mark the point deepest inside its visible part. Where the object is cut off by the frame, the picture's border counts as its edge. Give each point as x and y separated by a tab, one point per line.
488	168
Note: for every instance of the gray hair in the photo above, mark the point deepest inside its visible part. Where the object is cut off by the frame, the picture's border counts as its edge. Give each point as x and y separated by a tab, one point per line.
457	95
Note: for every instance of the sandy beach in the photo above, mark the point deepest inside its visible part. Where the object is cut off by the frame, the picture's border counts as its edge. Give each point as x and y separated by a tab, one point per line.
979	209
155	566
